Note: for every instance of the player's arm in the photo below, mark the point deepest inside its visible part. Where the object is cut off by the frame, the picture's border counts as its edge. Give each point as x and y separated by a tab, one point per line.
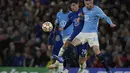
67	24
102	15
81	16
50	42
52	34
56	25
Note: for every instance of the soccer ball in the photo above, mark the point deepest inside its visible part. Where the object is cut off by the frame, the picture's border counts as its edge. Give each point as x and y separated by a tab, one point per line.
47	26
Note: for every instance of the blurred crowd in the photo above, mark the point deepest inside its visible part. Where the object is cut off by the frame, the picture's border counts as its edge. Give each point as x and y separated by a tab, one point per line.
23	43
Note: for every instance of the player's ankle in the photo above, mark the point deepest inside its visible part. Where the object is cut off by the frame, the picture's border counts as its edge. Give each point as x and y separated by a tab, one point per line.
61	52
60	67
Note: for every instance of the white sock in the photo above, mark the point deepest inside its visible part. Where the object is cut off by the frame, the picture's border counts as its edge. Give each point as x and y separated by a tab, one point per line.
61	51
60	67
83	66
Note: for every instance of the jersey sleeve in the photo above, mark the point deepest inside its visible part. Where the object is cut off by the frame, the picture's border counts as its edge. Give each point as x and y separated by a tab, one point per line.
57	18
102	15
69	22
81	16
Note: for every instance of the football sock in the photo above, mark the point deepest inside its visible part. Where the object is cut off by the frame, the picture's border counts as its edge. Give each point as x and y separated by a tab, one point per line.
102	60
83	65
61	52
60	67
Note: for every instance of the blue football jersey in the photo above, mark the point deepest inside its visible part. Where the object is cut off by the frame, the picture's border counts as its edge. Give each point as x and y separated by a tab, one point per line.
72	20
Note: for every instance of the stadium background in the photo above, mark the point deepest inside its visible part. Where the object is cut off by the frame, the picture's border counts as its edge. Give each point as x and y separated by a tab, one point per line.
24	44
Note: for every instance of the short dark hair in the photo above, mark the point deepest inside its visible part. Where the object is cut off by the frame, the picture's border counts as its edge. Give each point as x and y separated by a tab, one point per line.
73	1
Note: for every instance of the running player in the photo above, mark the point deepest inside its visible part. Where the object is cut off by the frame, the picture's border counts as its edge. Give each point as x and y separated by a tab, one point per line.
92	14
76	12
56	36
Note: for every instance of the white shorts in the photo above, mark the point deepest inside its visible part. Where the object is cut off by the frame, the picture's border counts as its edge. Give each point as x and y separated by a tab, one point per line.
82	38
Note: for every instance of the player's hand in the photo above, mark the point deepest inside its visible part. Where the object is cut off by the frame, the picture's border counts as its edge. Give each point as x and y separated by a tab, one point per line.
80	15
78	20
61	29
113	25
49	47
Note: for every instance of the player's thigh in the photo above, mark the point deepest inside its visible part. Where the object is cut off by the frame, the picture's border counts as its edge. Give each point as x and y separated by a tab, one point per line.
79	39
56	48
73	39
92	39
76	42
82	50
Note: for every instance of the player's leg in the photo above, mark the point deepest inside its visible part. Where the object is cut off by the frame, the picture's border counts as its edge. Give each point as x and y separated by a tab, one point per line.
72	40
60	54
55	50
68	42
100	56
64	47
94	43
78	41
82	50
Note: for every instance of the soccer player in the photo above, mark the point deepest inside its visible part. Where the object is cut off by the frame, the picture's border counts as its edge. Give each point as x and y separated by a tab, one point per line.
56	37
76	12
92	14
55	42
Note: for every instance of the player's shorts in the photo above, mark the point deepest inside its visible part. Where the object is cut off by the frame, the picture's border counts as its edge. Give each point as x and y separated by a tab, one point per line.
82	50
73	35
91	38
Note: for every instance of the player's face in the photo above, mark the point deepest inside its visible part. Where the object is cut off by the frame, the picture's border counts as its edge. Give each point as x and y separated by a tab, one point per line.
89	4
65	9
74	7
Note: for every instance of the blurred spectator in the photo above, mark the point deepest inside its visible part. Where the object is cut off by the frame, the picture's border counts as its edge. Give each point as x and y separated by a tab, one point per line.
28	60
29	5
118	60
42	2
45	54
127	62
18	59
127	46
2	35
38	59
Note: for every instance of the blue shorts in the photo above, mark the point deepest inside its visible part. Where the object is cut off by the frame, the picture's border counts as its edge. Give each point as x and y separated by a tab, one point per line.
82	50
56	48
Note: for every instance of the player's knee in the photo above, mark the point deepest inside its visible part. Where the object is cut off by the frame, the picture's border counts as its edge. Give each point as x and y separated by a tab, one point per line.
67	43
82	60
95	46
96	49
76	42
